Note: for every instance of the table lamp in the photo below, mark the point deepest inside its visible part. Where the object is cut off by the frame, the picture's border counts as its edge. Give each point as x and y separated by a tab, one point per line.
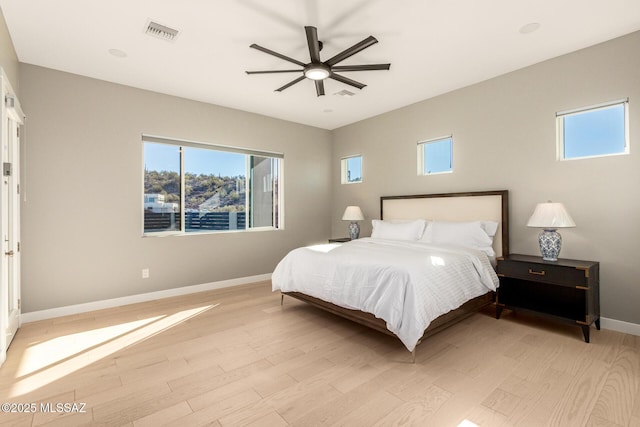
353	214
550	216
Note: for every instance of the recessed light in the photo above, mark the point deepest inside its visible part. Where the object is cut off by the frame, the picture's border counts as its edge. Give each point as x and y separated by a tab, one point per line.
118	53
328	110
529	28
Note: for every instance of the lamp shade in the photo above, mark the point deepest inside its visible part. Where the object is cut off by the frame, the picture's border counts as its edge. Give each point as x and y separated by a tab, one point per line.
550	215
352	213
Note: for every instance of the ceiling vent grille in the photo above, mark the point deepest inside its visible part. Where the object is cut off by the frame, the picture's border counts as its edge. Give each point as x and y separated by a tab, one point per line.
161	31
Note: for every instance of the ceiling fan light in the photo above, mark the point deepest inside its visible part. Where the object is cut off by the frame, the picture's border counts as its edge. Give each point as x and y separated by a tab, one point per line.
317	72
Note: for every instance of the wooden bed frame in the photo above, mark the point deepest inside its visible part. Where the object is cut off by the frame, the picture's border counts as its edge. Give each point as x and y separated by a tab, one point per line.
479	205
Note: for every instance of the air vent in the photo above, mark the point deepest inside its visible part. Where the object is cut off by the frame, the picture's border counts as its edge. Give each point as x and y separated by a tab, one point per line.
345	93
160	31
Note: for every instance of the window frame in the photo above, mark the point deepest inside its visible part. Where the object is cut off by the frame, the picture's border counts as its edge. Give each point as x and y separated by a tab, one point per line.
560	142
180	144
344	169
421	155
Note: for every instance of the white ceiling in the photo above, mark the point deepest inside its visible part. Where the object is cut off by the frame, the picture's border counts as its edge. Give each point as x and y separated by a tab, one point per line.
434	46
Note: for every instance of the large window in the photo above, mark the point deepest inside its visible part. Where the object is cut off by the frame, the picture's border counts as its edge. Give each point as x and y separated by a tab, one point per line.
600	130
435	156
195	187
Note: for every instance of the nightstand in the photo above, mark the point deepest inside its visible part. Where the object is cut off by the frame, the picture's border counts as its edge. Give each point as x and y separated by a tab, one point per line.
340	240
564	290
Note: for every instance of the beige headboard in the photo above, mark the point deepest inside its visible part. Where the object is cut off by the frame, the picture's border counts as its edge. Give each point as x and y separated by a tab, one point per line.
471	206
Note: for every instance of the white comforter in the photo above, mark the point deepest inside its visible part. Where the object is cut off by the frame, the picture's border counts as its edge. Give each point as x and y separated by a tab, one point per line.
407	284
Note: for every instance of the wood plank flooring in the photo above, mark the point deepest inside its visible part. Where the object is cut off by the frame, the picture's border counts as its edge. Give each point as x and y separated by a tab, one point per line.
235	357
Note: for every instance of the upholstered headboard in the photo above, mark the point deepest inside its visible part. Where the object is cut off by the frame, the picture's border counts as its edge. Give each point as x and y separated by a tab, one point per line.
470	206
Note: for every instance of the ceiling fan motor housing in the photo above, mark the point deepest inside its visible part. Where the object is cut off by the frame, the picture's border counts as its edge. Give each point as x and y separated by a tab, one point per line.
316	71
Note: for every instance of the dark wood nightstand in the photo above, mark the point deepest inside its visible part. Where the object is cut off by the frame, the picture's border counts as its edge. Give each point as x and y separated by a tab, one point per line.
340	240
565	290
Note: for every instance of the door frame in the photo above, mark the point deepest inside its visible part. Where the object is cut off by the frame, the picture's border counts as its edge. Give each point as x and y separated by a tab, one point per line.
10	111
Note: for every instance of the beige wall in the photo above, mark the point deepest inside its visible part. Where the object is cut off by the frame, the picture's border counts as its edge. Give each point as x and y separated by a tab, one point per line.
8	57
81	221
82	218
504	138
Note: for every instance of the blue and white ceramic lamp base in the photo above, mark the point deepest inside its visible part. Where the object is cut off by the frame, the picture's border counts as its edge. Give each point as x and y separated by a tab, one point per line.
550	244
354	230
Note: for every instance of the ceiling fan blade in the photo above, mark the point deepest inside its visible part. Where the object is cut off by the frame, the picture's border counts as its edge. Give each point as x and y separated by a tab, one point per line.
312	42
371	67
273	71
276	54
346	80
319	87
352	51
291	83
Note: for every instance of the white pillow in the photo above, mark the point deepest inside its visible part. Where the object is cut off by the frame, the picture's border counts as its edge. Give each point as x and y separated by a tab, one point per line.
491	227
408	230
472	234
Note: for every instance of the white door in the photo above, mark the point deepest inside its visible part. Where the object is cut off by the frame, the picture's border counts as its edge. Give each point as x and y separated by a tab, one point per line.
9	217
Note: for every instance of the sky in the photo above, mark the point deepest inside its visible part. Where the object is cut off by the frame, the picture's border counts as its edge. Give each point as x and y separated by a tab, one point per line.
438	156
166	157
354	167
595	132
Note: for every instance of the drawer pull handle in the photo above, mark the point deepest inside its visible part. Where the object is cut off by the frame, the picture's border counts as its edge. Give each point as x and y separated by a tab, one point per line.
537	273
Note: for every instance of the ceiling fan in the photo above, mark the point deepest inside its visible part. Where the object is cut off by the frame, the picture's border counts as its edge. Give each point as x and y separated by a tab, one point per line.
317	70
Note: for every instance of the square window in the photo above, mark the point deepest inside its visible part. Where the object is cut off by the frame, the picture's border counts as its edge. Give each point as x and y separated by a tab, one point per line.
593	131
435	156
351	170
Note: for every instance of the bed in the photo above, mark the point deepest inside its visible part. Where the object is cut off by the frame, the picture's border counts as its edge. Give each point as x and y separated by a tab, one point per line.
380	282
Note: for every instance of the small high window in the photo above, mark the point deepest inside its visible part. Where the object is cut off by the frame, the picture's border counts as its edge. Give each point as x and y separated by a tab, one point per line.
435	156
596	131
351	169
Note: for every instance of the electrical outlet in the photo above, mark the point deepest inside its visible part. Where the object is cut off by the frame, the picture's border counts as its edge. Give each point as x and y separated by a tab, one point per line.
145	273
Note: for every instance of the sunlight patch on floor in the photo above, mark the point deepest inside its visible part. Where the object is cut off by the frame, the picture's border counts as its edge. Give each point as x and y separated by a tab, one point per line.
51	360
42	355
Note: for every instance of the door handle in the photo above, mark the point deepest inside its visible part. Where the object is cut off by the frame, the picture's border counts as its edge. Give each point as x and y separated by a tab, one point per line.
10	253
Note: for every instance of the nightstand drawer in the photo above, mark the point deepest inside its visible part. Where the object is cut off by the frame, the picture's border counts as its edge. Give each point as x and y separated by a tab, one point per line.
545	273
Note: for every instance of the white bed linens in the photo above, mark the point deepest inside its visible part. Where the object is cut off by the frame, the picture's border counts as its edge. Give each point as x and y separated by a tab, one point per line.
407	284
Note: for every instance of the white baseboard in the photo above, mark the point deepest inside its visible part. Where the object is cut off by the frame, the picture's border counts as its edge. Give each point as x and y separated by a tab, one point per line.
34	316
620	326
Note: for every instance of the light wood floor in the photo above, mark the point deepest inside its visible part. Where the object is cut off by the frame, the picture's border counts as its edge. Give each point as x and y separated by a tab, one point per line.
236	357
